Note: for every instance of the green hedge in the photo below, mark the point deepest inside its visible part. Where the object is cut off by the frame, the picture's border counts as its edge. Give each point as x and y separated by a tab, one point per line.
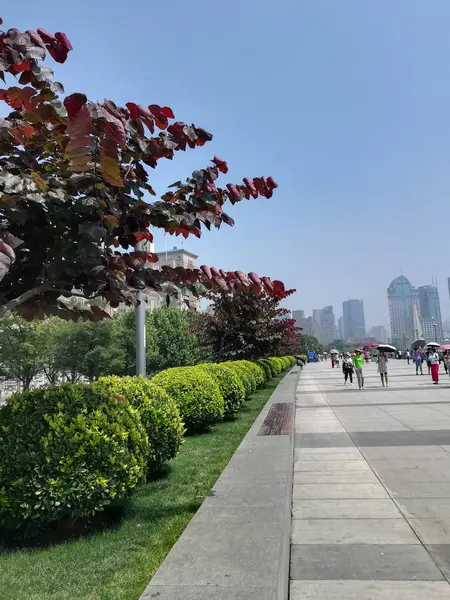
256	370
264	365
231	387
246	379
196	393
247	375
66	452
159	414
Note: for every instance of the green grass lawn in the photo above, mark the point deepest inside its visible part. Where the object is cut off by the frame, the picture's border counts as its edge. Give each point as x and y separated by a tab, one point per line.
118	564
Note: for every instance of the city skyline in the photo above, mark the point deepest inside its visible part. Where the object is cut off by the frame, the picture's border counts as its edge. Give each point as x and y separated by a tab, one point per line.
413	312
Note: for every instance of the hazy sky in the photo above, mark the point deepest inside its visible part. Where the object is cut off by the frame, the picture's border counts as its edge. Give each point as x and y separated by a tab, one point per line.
344	102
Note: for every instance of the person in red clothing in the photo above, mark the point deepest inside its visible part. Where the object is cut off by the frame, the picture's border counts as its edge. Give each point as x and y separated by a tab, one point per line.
433	358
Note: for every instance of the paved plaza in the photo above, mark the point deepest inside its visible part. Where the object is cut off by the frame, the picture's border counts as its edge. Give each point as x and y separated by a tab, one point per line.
371	487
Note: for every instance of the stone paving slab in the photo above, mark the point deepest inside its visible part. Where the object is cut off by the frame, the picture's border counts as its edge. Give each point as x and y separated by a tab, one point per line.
318	466
339	490
373	590
363	562
335	477
345	509
210	592
353	531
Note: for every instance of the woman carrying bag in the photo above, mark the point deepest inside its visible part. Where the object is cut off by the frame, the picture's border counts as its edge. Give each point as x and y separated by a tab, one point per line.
347	368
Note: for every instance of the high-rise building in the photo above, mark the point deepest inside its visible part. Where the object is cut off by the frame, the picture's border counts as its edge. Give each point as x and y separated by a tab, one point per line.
328	325
430	312
354	321
316	324
378	332
401	299
298	316
448	283
306	324
341	328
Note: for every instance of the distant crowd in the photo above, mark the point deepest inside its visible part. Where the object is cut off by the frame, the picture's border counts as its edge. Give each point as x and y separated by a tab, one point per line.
353	363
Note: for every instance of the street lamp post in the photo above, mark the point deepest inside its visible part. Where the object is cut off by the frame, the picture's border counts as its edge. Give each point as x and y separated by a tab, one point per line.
404	340
435	332
140	327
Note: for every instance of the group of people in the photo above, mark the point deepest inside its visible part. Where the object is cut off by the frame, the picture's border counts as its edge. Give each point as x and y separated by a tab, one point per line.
354	364
433	359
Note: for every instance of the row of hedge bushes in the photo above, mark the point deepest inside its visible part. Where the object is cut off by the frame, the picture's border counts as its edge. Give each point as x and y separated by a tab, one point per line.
69	451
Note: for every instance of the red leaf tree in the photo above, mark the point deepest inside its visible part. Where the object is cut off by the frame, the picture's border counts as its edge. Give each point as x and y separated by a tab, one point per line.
247	326
74	183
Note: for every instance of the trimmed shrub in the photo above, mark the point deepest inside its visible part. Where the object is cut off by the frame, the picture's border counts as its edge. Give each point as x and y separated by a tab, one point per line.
159	414
66	453
231	387
244	375
270	366
256	370
276	365
196	394
266	368
247	372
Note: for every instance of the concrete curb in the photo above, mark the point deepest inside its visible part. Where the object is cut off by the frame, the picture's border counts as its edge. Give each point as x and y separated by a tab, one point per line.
283	580
237	546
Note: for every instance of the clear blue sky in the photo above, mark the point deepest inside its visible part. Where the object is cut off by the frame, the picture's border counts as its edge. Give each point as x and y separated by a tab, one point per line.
345	103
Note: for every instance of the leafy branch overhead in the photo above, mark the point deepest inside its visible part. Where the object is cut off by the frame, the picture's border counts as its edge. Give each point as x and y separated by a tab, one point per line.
74	187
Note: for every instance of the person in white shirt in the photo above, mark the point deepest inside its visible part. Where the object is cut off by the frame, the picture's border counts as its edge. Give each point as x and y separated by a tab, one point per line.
433	358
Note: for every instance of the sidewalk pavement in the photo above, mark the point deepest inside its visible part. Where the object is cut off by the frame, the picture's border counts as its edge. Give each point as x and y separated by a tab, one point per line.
371	493
237	545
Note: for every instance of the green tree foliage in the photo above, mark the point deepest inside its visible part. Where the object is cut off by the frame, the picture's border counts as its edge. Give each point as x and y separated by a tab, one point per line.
170	341
21	355
309	343
89	349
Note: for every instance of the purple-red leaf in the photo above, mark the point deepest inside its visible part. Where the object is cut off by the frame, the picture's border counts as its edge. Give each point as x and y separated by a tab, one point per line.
74	103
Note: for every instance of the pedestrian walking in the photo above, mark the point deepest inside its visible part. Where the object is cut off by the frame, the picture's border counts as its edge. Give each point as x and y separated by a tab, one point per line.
446	359
433	357
428	352
367	357
418	358
408	356
358	361
347	368
382	361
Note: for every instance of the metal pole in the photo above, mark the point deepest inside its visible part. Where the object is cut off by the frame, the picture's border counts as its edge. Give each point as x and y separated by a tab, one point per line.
404	340
435	332
140	328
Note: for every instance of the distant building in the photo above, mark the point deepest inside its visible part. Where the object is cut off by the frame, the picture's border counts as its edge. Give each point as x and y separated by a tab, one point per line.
430	309
307	325
328	325
298	315
379	333
341	335
401	298
414	313
354	321
430	330
177	257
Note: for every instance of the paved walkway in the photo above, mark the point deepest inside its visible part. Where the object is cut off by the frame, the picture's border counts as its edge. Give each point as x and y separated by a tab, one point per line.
237	545
371	493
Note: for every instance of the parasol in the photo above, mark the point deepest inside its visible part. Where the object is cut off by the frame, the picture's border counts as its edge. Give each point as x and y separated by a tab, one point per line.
386	348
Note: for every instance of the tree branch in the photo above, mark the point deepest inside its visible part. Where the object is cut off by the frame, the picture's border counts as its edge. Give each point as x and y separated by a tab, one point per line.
39	289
